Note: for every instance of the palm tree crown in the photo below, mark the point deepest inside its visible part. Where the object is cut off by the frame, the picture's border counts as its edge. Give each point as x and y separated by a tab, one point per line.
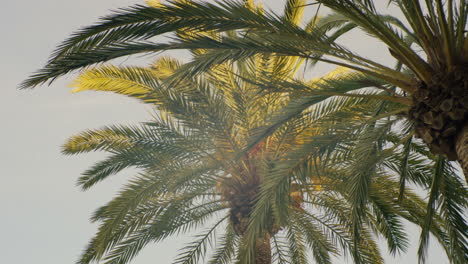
425	95
275	201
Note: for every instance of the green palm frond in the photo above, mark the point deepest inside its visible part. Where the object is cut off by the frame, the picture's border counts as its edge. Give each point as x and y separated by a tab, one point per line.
152	135
155	219
390	225
451	208
117	32
367	19
317	240
176	221
127	32
296	246
226	250
148	147
321	97
197	248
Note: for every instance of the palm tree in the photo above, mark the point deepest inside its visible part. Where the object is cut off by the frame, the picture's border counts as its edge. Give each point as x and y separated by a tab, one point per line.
285	196
427	86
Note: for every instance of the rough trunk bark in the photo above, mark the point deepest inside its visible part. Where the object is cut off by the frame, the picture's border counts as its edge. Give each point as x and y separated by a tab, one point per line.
263	250
461	147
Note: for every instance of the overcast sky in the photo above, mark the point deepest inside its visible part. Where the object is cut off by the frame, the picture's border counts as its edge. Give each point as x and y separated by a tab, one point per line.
44	216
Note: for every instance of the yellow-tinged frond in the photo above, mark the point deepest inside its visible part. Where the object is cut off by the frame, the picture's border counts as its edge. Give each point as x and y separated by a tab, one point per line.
113	79
153	3
250	4
286	67
158	3
305	135
224	79
164	67
317	184
311	24
294	11
337	72
255	5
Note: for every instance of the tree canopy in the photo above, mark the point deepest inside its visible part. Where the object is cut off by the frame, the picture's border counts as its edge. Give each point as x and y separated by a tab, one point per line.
410	119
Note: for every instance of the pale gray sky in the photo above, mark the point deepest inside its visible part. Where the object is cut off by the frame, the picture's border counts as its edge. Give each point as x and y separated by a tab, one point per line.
44	217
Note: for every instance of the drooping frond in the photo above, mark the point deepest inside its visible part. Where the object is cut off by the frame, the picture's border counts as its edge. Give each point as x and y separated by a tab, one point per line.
154	199
445	183
197	248
226	249
109	38
131	81
127	32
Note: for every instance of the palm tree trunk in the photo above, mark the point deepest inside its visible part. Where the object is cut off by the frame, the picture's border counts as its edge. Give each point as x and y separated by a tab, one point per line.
461	147
263	250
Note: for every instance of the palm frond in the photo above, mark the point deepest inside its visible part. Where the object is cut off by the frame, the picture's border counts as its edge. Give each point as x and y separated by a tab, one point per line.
197	248
226	249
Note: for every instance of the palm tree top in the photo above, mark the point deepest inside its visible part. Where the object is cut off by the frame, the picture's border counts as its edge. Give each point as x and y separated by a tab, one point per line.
428	86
